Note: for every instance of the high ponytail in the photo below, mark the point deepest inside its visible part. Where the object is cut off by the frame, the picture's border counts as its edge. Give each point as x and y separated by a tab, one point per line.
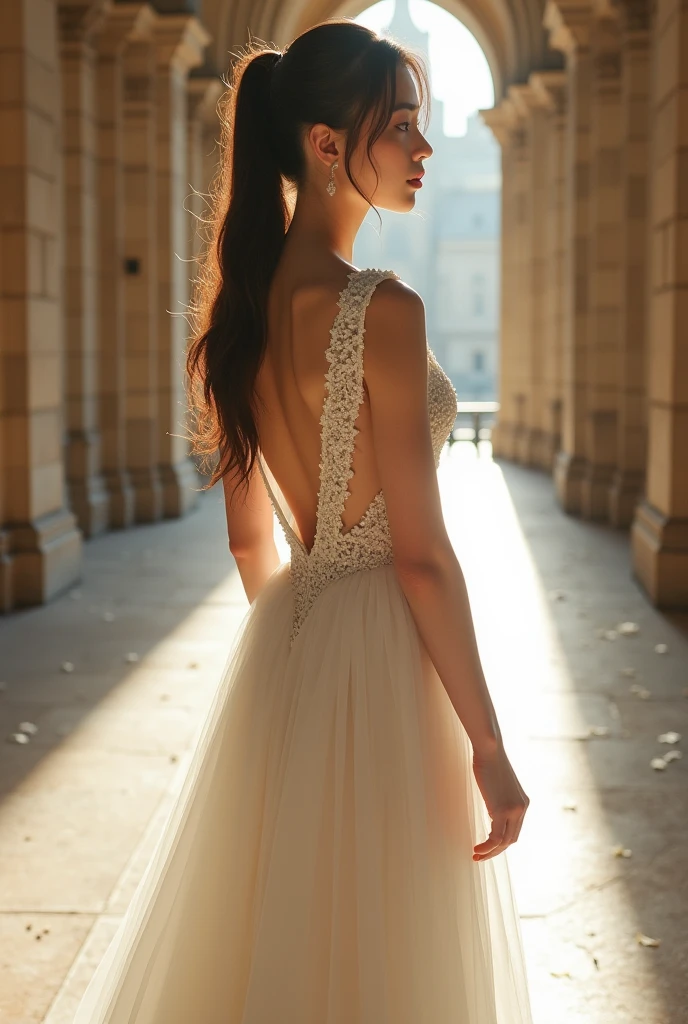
224	359
337	74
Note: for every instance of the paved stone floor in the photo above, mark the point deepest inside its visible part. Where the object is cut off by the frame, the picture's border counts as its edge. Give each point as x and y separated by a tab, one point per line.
147	631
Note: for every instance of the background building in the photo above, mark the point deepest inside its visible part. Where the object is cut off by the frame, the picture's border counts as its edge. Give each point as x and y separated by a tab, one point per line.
448	248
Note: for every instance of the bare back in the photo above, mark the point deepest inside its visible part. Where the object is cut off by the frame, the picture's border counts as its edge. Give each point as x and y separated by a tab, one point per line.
290	388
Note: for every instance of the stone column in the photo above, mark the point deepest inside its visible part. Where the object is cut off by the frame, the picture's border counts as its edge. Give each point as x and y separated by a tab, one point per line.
179	43
498	120
660	526
521	276
119	23
551	86
606	214
40	546
79	23
629	479
531	111
203	154
140	275
569	25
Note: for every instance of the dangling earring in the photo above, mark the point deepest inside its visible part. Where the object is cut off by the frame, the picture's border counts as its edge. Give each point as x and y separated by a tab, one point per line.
331	187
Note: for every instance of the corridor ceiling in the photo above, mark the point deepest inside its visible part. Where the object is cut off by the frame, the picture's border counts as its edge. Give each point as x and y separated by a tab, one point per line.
509	31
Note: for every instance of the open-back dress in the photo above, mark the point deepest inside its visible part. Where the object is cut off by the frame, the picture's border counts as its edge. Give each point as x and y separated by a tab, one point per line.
317	866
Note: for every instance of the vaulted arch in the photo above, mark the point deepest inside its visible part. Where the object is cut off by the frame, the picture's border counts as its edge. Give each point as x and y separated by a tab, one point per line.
510	32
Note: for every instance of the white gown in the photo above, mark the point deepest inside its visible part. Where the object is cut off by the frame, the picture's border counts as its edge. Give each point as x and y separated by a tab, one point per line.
317	867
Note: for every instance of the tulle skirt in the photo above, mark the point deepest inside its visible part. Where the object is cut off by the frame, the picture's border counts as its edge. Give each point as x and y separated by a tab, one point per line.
317	866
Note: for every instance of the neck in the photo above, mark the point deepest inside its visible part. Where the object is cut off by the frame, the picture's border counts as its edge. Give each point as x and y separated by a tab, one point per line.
327	222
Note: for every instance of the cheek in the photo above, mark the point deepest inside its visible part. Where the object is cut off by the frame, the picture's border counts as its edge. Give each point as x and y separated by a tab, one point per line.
390	152
389	156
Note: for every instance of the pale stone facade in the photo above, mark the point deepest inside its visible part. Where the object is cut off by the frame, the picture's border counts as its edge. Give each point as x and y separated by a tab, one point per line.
108	129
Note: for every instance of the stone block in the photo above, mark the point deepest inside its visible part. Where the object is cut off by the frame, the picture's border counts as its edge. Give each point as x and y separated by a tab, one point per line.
662	342
12	132
52	270
677	255
42	204
659	482
604	376
666	54
42	16
14	259
41	143
663	190
45	376
12	196
14	380
40	84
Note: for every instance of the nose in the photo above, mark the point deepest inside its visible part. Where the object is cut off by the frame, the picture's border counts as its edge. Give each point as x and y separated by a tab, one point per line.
424	150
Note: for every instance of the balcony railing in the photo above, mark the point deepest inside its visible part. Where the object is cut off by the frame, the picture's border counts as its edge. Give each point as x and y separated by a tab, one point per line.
480	417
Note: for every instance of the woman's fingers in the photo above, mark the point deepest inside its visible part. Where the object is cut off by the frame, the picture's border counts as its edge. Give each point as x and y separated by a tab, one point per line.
505	831
495	837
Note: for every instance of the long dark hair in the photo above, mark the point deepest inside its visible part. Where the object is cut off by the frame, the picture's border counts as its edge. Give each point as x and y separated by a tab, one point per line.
337	73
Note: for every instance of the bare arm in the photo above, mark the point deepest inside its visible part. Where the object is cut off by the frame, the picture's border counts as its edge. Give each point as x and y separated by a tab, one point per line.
396	374
250	527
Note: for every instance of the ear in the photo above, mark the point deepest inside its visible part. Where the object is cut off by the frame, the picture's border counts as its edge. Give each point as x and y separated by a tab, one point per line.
324	143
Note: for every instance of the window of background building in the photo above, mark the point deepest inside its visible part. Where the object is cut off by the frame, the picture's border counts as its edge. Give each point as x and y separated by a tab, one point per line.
478	291
478	362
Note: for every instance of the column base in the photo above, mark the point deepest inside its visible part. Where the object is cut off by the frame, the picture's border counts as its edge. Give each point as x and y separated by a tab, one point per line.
180	485
521	444
549	450
625	491
88	498
5	573
595	485
506	441
46	558
89	501
498	439
147	494
121	498
660	556
536	449
569	470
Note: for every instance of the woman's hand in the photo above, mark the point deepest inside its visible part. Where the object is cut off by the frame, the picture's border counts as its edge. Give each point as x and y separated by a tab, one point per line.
504	798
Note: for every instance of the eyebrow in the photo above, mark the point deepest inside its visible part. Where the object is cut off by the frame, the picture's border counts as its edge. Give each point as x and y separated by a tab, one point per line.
406	106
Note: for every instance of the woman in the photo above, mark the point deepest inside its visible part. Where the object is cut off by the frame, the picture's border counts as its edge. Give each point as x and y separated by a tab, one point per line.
323	864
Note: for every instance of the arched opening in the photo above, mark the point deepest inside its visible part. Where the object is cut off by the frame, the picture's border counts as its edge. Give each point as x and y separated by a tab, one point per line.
448	248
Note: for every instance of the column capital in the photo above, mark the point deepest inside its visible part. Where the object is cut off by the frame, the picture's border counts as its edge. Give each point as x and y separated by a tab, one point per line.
123	23
635	15
568	23
605	51
552	88
606	9
499	119
203	93
180	40
80	20
525	98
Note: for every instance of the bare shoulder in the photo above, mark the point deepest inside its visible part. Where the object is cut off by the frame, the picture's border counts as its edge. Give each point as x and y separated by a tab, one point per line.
394	300
395	321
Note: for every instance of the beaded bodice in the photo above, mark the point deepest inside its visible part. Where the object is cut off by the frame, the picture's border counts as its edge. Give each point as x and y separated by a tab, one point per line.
337	552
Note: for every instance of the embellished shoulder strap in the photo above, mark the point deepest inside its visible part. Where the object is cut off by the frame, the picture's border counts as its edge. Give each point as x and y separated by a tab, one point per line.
343	397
